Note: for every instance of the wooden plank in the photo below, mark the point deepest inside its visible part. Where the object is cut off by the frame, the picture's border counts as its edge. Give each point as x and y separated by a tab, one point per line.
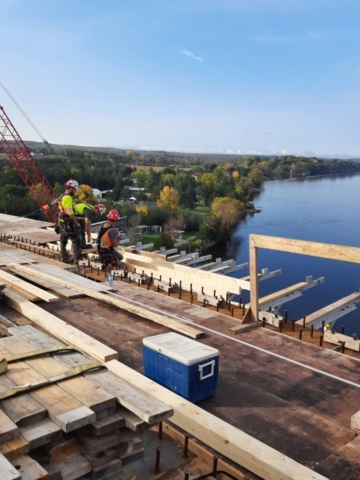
37	235
134	307
10	254
312	249
8	429
67	277
282	293
254	282
195	276
14	448
355	422
323	312
149	409
22	410
64	292
41	433
74	467
29	469
106	425
224	438
18	283
80	388
27	295
338	338
63	409
7	470
145	406
61	329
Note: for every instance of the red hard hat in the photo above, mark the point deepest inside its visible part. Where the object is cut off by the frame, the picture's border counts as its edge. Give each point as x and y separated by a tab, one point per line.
101	207
113	215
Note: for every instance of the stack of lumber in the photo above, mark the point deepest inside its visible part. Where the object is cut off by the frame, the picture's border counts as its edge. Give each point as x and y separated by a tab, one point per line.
88	426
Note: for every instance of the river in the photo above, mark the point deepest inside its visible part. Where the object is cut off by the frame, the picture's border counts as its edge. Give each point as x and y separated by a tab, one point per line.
321	209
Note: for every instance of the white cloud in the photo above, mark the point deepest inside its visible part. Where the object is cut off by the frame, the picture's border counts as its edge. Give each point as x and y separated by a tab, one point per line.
191	55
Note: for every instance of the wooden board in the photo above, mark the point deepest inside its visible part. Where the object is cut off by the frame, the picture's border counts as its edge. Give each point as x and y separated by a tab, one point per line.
337	338
80	388
198	279
21	285
22	410
37	235
41	433
146	407
10	254
149	409
12	223
63	291
323	312
224	438
7	470
29	469
14	448
63	409
61	329
133	307
68	279
8	429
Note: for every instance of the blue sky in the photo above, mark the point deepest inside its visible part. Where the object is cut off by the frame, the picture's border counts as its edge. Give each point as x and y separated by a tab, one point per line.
241	76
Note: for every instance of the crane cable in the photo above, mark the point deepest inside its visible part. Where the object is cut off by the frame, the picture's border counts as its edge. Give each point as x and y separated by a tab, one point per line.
34	127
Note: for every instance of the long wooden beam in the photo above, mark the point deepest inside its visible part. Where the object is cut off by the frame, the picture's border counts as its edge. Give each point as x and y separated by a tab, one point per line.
333	307
58	327
304	247
301	247
198	279
134	307
223	437
19	284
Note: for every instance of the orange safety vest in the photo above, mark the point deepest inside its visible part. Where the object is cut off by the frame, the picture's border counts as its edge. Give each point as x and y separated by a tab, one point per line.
104	239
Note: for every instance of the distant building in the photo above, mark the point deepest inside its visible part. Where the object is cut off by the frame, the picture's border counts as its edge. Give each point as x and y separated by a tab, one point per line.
101	194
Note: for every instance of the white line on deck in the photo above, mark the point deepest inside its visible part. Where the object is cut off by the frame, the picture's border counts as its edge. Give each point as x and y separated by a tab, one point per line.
189	322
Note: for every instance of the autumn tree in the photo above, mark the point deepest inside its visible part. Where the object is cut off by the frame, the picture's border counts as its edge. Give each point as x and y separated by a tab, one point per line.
169	197
225	214
142	210
84	194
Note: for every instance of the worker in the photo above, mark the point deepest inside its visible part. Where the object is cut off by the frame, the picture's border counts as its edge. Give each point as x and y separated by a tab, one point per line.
68	223
84	214
108	238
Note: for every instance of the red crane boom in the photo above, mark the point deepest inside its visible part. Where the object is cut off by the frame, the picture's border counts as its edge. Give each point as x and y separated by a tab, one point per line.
25	165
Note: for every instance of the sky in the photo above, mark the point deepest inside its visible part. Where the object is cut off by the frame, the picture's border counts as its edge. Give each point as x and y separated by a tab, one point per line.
266	77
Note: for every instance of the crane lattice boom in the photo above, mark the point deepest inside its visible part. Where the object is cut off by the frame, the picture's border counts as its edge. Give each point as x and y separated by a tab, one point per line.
25	165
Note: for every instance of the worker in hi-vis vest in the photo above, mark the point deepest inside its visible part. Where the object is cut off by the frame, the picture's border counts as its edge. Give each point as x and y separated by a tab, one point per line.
68	224
85	214
108	238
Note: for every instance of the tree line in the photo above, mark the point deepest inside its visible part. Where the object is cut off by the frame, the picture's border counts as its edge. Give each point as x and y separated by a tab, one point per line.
206	194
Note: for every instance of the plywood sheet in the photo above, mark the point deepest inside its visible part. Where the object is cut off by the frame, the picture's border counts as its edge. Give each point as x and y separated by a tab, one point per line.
9	254
12	223
38	235
70	278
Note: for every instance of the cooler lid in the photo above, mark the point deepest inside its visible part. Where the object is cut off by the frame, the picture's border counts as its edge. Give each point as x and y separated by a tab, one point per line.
179	348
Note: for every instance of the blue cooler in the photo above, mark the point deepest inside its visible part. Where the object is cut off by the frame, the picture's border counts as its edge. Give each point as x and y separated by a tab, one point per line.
186	367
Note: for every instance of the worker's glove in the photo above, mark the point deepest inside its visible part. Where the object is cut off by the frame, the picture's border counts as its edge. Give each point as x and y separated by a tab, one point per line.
57	229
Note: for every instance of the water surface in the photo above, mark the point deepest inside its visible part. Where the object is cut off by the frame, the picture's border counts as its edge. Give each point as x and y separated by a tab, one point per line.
320	209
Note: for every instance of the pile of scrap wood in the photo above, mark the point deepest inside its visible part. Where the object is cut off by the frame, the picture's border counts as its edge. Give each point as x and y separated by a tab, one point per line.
86	426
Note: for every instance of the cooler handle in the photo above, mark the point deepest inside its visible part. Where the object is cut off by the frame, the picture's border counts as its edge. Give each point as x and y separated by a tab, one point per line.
201	369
